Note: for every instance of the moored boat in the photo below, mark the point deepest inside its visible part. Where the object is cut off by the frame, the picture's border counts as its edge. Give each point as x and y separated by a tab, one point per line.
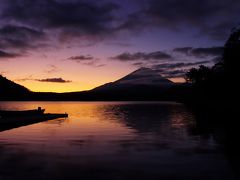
14	119
7	113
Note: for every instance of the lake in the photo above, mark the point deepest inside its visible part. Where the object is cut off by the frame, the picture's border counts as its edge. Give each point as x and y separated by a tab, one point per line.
114	140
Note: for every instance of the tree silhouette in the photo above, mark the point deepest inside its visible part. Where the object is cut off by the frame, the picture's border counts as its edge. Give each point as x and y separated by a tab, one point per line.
231	56
200	75
218	85
226	70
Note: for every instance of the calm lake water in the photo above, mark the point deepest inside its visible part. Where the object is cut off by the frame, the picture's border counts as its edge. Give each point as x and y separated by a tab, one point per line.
113	140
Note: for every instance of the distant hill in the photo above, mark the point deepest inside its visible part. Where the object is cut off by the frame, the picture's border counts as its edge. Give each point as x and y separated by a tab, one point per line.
11	90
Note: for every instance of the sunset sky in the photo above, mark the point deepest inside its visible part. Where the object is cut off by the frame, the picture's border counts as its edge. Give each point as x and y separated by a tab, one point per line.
73	45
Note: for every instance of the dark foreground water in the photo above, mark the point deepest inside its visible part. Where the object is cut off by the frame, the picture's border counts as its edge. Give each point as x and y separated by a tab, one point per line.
115	140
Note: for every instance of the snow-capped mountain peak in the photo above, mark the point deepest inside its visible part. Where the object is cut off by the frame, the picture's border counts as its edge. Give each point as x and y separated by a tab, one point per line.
144	76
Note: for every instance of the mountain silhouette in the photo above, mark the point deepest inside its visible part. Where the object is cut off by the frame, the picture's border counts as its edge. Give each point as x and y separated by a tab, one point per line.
143	77
11	90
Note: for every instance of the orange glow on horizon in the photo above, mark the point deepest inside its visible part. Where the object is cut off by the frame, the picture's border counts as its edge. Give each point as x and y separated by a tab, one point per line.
55	87
86	81
178	80
70	87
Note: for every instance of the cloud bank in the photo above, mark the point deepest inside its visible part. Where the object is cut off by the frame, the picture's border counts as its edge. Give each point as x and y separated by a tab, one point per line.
28	24
53	80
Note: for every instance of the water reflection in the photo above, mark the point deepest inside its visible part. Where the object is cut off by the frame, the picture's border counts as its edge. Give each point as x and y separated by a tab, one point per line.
223	128
114	140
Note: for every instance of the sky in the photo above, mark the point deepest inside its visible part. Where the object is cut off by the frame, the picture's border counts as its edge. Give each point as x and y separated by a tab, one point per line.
75	45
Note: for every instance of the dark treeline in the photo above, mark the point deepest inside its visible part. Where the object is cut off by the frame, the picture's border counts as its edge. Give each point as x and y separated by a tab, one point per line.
218	86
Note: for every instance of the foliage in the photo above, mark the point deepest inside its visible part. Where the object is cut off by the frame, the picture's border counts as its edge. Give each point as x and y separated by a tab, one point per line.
199	75
231	56
226	68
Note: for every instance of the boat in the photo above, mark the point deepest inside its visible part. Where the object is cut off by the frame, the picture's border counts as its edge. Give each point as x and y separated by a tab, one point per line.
6	113
14	119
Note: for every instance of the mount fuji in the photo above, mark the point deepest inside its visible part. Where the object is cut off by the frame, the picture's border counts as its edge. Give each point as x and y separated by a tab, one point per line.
144	77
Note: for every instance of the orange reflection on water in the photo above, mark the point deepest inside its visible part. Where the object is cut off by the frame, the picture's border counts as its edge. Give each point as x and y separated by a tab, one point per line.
86	121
